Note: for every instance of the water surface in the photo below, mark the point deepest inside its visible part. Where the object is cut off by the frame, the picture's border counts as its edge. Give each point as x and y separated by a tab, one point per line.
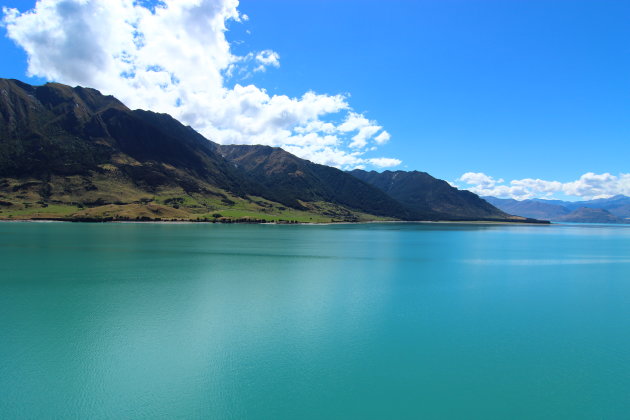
382	321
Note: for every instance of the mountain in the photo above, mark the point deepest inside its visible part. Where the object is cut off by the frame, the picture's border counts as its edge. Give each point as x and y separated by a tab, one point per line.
75	154
619	205
573	211
611	203
293	180
68	151
590	215
431	198
55	130
622	212
530	208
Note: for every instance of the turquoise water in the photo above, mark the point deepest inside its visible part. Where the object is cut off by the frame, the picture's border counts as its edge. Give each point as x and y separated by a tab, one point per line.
381	321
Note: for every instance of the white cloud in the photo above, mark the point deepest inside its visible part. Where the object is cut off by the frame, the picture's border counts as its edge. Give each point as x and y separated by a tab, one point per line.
330	156
267	58
385	162
175	58
539	186
354	122
382	138
589	186
366	129
480	179
598	186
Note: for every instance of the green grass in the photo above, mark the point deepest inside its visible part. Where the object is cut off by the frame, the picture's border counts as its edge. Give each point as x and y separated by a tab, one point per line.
37	211
70	199
289	215
194	209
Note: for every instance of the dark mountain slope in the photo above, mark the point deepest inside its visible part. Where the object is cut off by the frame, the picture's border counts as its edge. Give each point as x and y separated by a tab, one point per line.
291	179
35	125
58	130
431	197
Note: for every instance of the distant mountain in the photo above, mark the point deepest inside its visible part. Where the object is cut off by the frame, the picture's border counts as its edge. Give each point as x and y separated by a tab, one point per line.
556	210
622	211
619	205
617	201
590	215
432	198
529	208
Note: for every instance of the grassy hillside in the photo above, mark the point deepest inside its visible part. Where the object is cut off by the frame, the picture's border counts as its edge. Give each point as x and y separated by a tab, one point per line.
105	197
72	153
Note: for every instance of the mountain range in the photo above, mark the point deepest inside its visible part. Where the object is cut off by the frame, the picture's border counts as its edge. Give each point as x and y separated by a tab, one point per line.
430	197
74	154
604	210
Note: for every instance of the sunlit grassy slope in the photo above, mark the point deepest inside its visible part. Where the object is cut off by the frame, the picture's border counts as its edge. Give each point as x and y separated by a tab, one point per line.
108	198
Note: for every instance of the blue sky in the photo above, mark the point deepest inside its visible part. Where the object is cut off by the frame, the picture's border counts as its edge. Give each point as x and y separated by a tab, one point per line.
506	89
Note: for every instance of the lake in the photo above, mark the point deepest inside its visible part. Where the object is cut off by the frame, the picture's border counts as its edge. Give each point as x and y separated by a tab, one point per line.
372	321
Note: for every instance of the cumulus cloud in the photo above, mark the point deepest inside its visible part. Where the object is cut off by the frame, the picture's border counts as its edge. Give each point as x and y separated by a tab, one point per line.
267	58
479	179
385	162
366	129
589	186
383	137
598	186
174	57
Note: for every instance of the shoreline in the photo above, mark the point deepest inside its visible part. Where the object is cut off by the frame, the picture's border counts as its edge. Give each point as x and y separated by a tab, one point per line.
419	222
424	222
174	222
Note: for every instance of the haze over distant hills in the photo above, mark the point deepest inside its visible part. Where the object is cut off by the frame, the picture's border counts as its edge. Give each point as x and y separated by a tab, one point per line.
72	153
605	210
